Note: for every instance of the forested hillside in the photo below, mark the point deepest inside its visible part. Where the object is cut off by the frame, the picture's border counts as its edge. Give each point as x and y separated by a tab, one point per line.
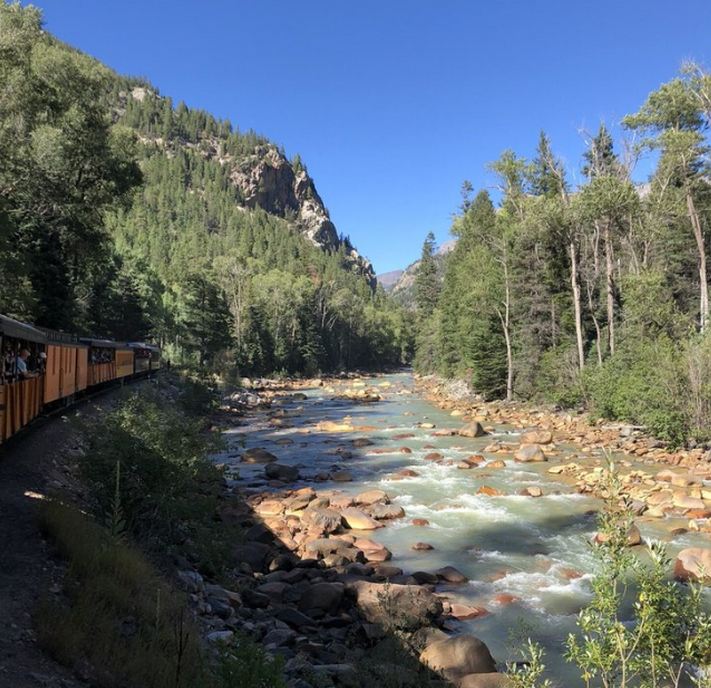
126	216
594	294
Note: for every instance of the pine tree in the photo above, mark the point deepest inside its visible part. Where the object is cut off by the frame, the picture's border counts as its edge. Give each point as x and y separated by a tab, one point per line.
204	319
427	285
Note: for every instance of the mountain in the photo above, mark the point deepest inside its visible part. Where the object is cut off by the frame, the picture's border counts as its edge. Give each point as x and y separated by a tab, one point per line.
387	280
125	215
402	289
261	175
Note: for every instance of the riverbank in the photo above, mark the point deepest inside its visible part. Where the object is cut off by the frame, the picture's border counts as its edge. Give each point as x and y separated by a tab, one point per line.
444	494
656	490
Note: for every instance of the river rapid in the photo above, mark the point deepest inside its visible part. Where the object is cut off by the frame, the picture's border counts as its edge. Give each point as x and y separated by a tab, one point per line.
527	558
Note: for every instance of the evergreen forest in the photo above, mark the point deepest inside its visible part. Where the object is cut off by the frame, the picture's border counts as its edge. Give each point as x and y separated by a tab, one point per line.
119	218
590	295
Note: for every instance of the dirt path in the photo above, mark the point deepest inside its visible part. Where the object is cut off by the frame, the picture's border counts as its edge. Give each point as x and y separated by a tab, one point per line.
31	464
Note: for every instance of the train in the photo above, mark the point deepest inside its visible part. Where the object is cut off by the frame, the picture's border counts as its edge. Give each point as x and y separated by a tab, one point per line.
61	367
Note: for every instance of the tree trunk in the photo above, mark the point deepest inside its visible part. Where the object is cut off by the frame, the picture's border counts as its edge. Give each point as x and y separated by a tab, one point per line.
610	282
576	304
507	336
701	247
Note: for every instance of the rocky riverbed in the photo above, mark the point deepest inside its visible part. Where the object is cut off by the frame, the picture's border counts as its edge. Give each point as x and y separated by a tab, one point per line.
376	509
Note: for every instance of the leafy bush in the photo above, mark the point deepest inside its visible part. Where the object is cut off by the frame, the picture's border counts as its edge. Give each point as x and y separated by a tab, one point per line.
638	385
558	380
245	664
167	489
669	629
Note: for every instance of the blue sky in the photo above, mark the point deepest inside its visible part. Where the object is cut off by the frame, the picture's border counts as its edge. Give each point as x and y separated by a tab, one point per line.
393	103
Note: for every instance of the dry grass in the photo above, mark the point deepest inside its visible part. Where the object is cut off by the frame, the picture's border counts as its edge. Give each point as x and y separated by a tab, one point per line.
120	624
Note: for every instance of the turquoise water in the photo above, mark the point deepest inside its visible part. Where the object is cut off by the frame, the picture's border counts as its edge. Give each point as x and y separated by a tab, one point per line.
534	550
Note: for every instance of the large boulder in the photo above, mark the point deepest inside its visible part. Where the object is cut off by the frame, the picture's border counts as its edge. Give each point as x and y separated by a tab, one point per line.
321	597
537	437
458	657
474	429
372	497
693	563
359	520
258	455
324	520
530	453
406	607
279	471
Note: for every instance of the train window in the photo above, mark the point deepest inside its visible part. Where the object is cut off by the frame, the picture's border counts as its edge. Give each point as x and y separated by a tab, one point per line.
13	352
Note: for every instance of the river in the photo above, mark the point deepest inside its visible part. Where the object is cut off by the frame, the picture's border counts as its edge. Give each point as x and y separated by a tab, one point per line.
528	559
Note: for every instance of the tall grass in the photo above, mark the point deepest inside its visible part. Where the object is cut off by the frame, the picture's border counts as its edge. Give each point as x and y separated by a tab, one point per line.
120	623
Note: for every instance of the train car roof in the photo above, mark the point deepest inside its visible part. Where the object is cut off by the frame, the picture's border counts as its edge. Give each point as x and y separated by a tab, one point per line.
57	337
19	330
103	343
144	345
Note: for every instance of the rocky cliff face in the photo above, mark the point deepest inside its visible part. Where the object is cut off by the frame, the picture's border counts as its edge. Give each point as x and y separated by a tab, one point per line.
266	179
269	181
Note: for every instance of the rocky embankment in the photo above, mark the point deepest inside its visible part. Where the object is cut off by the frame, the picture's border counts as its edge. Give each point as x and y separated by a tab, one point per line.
312	582
654	489
314	585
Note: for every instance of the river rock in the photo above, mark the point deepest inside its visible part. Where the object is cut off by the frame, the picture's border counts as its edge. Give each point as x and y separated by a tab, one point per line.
342	476
693	563
531	491
684	501
359	520
474	429
269	507
464	612
458	657
321	547
422	547
325	520
451	575
374	552
634	537
372	497
333	426
279	471
489	491
321	597
528	453
537	437
407	607
258	455
421	522
252	553
382	512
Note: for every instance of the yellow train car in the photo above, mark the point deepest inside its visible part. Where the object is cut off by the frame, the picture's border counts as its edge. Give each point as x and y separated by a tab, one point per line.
41	368
21	384
65	366
107	361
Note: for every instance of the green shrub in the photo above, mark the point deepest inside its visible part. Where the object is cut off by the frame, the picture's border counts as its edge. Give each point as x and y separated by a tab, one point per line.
668	629
244	664
168	490
558	380
638	385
